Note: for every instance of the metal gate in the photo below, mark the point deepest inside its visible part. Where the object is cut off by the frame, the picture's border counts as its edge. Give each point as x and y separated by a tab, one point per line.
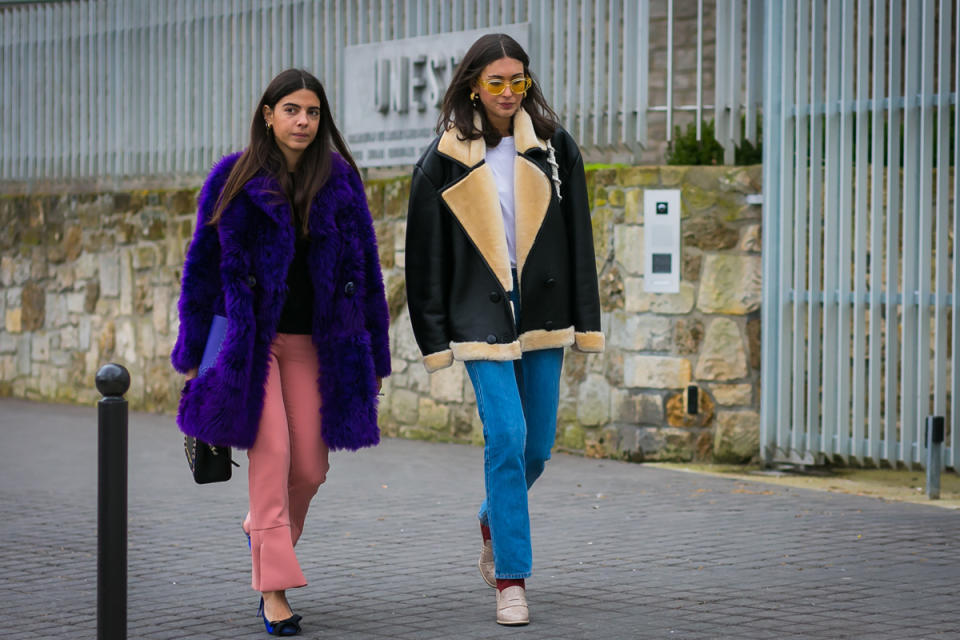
861	230
94	89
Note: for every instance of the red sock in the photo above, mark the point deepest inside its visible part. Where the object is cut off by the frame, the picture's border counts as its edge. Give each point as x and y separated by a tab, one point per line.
503	584
485	532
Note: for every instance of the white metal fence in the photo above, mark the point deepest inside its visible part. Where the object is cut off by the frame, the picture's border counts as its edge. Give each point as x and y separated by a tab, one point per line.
95	88
861	230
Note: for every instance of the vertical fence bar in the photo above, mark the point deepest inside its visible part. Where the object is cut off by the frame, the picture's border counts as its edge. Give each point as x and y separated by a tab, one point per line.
168	88
331	53
755	49
893	305
571	49
942	211
613	70
787	294
444	18
342	29
772	158
68	60
229	71
801	213
37	145
30	88
861	171
43	79
842	441
598	83
815	309
540	25
180	91
150	84
362	34
559	41
831	229
699	113
669	69
118	84
103	32
911	215
397	20
925	226
52	34
875	373
583	100
12	72
456	16
953	458
32	62
631	63
6	55
641	97
735	64
721	72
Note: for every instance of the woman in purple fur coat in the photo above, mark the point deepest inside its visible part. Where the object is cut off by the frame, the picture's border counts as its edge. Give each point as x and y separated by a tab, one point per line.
284	249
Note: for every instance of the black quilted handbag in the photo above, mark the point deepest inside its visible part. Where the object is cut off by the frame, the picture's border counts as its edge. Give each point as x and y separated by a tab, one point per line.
207	462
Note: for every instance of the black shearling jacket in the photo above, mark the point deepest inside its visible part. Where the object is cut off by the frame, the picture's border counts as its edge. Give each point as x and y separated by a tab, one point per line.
457	265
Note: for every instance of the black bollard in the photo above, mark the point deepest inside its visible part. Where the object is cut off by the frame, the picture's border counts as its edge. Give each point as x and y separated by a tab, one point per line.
112	381
934	438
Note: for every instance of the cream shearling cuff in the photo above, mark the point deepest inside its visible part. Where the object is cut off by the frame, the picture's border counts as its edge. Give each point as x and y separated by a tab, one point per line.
589	341
438	360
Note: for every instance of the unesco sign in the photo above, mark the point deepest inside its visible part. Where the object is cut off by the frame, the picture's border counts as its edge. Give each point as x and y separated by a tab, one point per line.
396	87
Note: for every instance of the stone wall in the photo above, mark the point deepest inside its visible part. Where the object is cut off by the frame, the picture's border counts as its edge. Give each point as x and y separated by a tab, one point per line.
91	278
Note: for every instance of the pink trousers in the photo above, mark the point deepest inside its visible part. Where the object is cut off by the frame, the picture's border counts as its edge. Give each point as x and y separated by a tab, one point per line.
288	463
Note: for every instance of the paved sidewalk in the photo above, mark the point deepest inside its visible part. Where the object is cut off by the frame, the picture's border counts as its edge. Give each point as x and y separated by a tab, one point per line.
622	551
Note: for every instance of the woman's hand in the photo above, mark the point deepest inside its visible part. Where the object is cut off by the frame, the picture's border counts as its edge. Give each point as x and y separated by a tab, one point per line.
192	374
379	384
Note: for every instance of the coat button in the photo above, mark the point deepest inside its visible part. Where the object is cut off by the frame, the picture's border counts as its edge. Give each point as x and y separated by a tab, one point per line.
349	288
252	281
494	296
548	325
550	283
491	339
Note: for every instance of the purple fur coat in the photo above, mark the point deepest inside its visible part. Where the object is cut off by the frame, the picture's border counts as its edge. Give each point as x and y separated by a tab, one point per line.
238	269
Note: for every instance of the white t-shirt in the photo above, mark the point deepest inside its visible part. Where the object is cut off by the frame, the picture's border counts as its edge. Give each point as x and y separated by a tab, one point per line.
501	160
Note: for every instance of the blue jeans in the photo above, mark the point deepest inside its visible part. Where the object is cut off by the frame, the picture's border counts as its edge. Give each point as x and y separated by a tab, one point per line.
517	402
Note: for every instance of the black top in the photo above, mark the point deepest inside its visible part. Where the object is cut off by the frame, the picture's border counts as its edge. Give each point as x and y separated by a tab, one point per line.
297	314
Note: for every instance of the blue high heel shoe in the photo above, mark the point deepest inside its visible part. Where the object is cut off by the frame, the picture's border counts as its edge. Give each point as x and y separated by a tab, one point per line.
287	627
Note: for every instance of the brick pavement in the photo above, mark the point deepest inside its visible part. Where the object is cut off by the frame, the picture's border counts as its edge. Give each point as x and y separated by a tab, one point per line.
622	551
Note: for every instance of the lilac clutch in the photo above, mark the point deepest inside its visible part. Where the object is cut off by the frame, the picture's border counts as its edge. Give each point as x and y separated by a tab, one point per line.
218	329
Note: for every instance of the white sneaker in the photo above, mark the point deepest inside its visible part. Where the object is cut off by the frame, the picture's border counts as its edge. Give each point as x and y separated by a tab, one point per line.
512	606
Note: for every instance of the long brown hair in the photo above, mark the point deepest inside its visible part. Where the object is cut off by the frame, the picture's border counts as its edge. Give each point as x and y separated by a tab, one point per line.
263	154
458	110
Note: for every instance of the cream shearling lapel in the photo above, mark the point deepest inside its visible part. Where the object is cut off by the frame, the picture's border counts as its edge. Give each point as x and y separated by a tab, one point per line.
475	203
531	188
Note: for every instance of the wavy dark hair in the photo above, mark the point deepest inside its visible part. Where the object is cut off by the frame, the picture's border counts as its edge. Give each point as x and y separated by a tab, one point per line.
263	154
458	110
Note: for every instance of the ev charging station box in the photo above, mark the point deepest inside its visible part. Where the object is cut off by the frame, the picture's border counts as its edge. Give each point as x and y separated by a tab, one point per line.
661	240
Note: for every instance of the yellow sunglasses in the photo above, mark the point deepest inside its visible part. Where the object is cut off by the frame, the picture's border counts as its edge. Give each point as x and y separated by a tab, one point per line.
496	86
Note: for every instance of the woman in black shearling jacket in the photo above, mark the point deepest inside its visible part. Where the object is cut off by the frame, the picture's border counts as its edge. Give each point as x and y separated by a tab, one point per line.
501	274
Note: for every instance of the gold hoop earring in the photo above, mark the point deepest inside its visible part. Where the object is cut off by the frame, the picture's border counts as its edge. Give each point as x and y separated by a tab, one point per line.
475	99
269	127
